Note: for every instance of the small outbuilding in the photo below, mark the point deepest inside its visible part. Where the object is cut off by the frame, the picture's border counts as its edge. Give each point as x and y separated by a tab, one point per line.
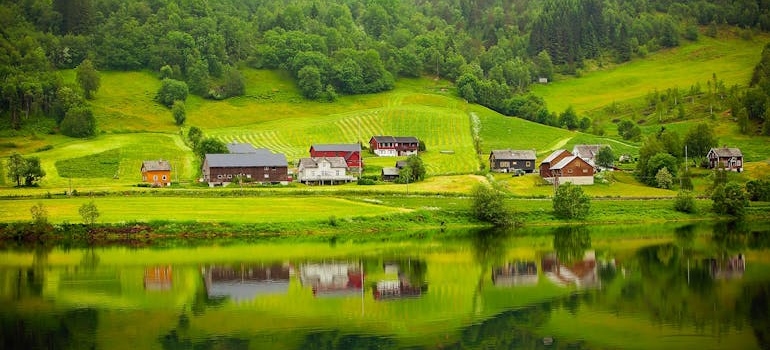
156	172
508	161
730	158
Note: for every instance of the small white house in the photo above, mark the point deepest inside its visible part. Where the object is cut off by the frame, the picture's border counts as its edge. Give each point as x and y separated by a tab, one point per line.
322	170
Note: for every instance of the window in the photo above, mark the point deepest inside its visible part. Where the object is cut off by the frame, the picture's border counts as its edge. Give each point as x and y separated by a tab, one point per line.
248	176
267	168
155	178
219	176
267	176
585	171
529	164
229	176
569	171
164	177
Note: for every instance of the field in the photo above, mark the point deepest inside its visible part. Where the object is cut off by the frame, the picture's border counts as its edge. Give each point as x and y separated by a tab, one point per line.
272	114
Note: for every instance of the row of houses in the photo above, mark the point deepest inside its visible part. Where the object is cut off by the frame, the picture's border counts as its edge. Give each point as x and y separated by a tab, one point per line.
341	163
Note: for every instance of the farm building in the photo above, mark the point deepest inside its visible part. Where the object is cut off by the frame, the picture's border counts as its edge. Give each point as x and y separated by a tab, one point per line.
235	147
156	172
391	146
390	174
587	152
351	152
507	160
562	166
323	170
730	158
261	166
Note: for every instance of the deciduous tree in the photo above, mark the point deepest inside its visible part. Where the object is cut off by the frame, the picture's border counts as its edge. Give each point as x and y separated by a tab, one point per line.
570	202
88	78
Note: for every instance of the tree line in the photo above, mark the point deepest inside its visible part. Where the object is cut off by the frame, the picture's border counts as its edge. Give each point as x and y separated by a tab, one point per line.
492	49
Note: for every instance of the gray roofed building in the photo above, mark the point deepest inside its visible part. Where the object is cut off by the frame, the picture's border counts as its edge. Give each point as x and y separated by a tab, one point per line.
245	160
322	170
508	160
338	147
156	165
553	155
730	158
390	174
261	167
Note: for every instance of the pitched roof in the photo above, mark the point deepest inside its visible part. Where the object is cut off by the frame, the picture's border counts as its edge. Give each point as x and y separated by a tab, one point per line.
338	147
727	152
400	164
235	147
156	165
399	139
245	160
586	151
390	171
335	162
514	154
553	155
565	161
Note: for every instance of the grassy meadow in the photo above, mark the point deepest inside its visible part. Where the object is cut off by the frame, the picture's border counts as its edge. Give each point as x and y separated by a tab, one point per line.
272	114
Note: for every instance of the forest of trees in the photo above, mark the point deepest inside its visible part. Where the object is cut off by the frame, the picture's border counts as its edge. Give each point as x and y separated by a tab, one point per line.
492	49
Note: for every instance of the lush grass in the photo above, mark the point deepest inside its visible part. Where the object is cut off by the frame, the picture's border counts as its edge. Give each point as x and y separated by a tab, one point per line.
104	164
236	210
731	59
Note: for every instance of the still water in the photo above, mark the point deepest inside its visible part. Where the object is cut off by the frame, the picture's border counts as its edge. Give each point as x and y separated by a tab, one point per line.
700	287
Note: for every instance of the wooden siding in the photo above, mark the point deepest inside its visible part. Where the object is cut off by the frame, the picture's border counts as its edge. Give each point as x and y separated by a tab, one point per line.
353	159
157	177
254	174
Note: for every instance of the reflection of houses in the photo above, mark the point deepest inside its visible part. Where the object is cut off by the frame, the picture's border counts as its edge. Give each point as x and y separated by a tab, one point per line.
245	281
730	158
157	278
332	279
582	273
323	170
519	273
732	267
400	287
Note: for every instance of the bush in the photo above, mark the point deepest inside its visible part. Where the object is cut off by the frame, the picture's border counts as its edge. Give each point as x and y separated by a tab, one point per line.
729	199
78	122
171	90
685	202
570	202
365	181
488	204
758	190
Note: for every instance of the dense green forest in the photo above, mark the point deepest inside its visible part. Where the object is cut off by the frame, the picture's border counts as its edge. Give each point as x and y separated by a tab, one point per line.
492	49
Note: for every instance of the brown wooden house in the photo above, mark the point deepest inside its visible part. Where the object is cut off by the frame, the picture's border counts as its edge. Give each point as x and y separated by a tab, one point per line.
391	146
507	160
351	152
156	172
561	166
262	166
730	158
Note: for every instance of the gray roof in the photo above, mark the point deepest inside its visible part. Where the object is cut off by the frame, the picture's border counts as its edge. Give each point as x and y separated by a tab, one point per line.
245	160
553	155
235	147
156	165
399	139
513	154
390	171
727	152
586	151
338	147
400	164
335	162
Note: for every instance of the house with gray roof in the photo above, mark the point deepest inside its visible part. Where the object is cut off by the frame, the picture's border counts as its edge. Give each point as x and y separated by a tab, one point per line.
508	161
562	166
323	170
730	158
261	167
351	152
587	152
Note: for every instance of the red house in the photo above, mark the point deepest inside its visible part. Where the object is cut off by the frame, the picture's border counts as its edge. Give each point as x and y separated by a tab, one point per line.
394	145
561	166
350	151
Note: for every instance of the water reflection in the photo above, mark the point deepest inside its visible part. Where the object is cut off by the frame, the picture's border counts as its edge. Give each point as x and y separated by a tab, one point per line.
332	279
245	281
693	286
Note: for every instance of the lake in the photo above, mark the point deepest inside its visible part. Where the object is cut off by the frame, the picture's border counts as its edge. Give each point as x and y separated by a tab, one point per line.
697	286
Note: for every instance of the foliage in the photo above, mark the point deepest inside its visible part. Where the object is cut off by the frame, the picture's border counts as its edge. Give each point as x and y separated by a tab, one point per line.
171	90
605	157
309	82
488	205
700	139
685	202
24	170
194	136
210	145
79	122
88	78
39	214
571	243
98	165
629	131
758	190
570	202
89	212
664	178
729	199
414	170
178	110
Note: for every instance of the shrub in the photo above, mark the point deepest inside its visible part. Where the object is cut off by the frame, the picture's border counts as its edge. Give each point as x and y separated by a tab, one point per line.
685	202
729	199
89	213
570	202
171	90
488	204
758	190
78	122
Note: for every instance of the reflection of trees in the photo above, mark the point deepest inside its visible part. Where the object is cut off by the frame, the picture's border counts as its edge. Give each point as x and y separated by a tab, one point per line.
514	329
179	338
755	302
730	236
334	339
488	248
571	242
73	329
